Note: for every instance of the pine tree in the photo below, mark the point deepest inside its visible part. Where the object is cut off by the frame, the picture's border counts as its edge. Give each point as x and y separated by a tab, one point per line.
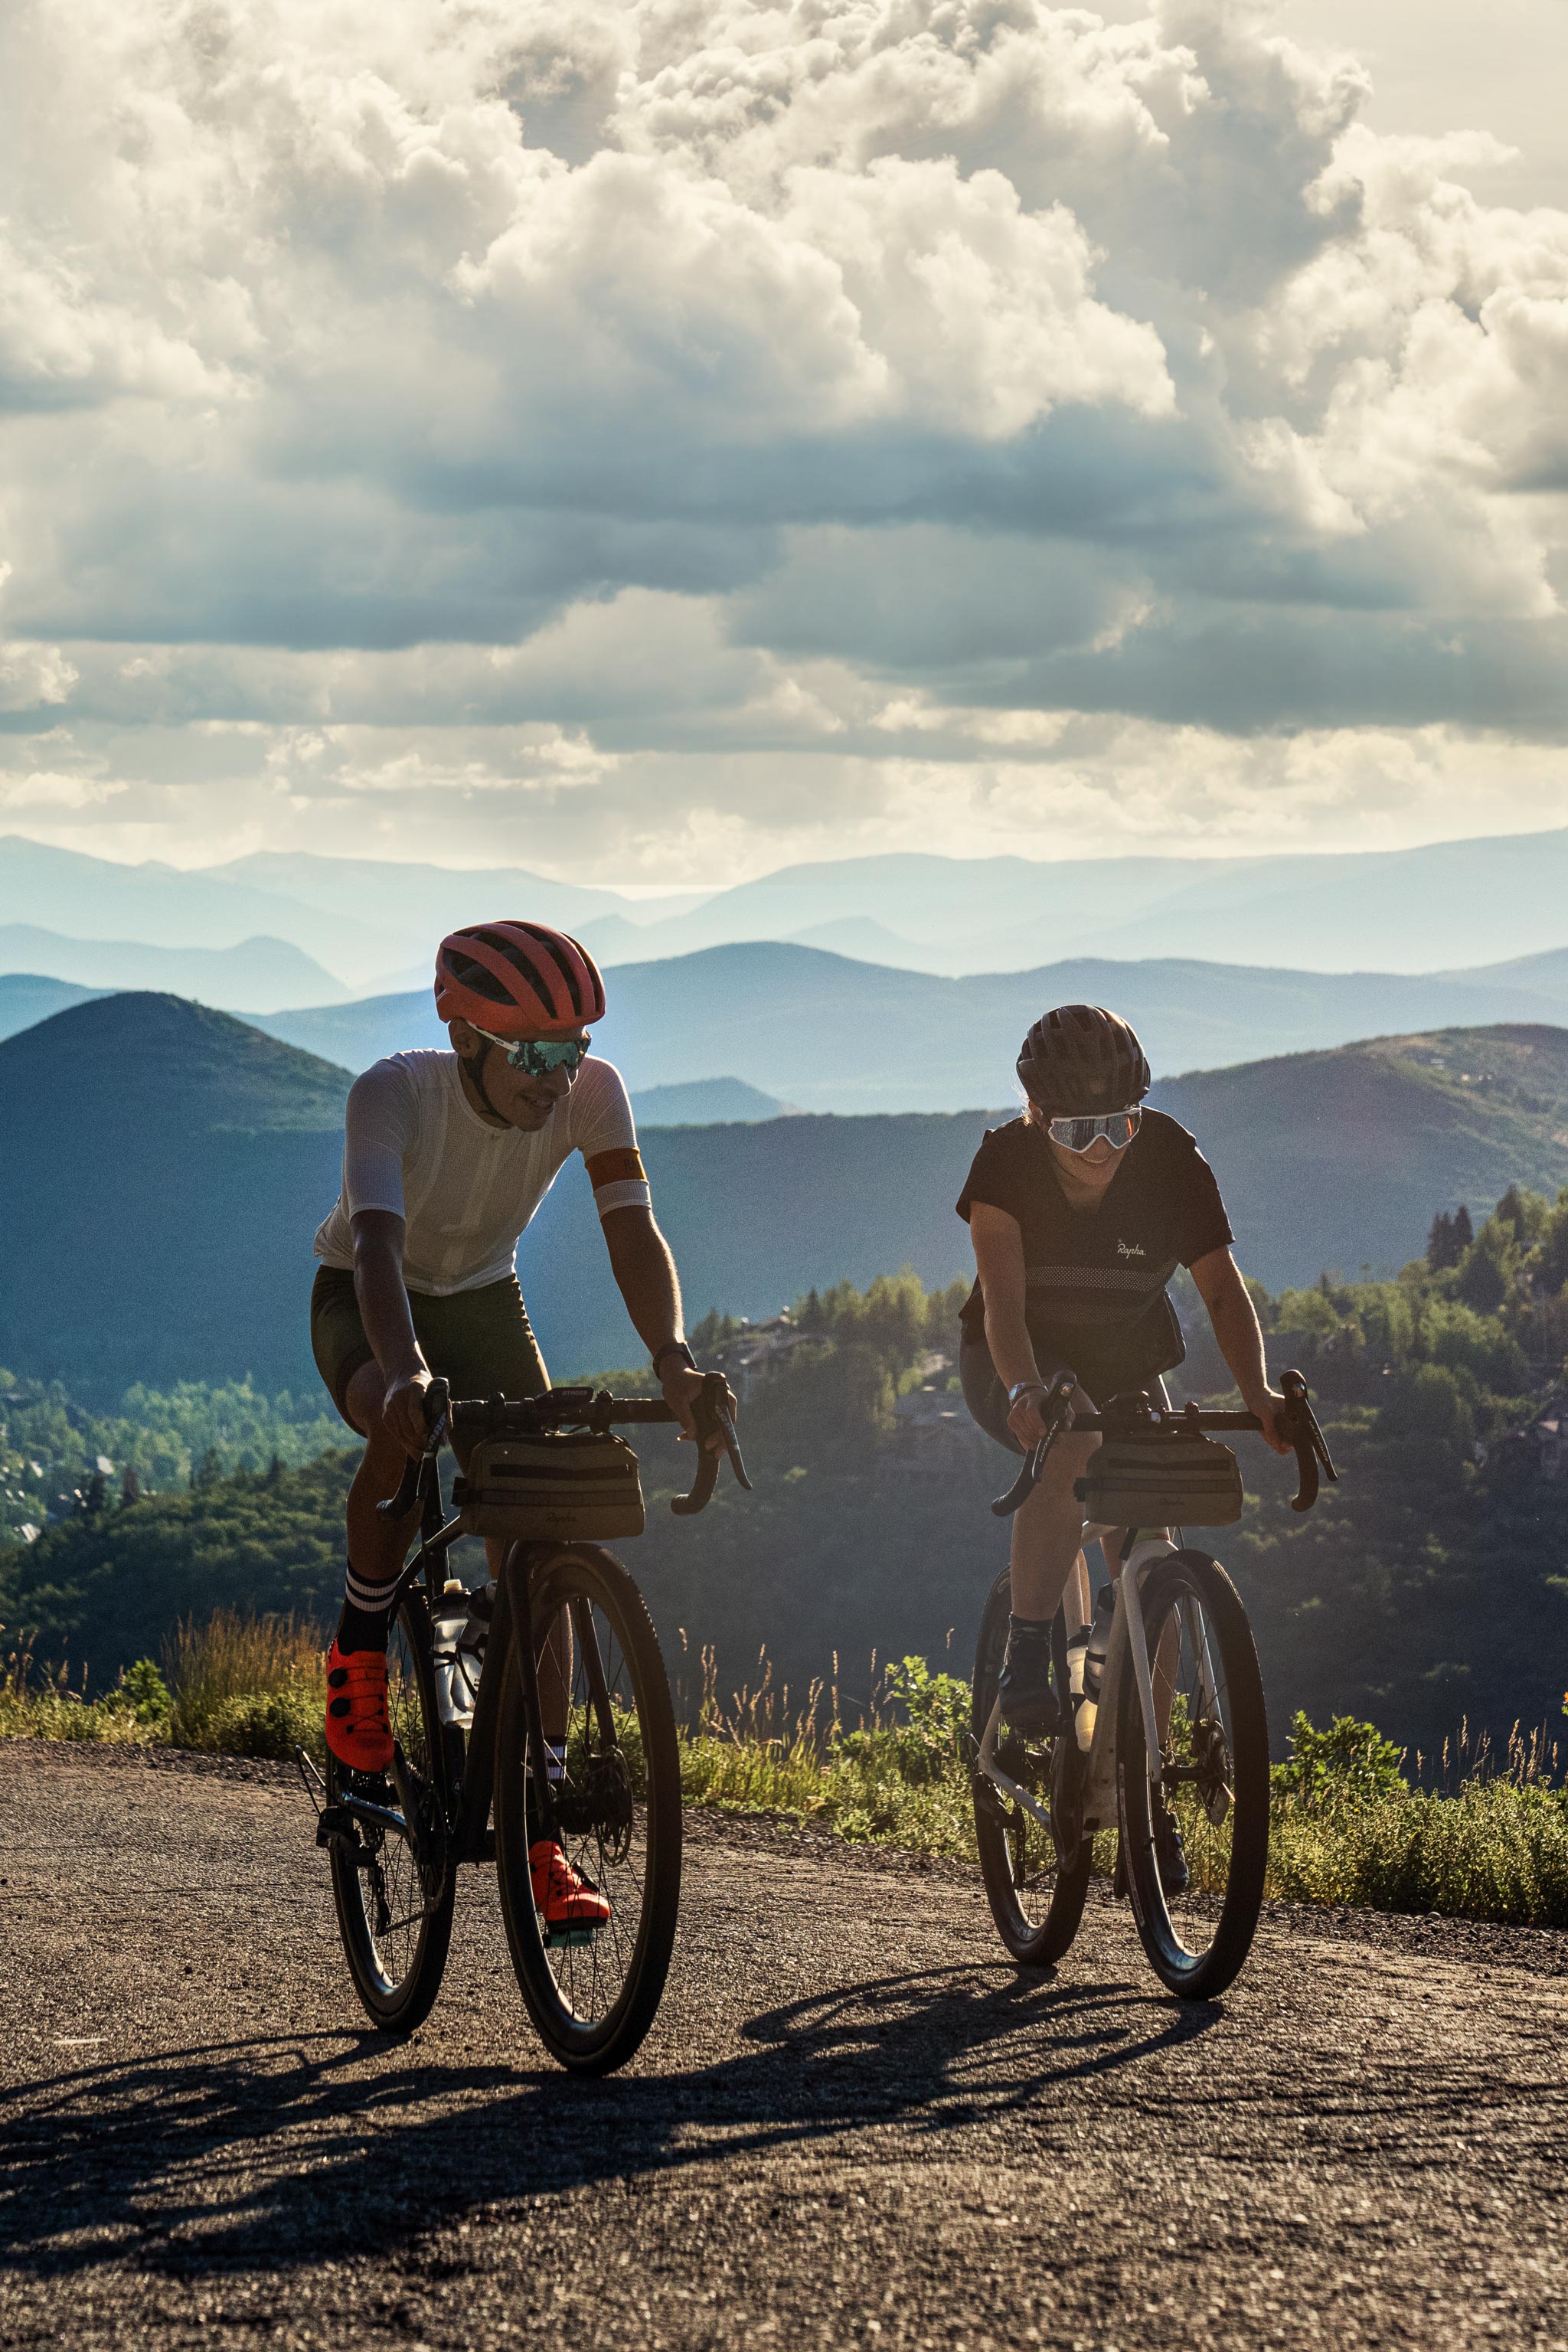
129	1488
1464	1232
1440	1249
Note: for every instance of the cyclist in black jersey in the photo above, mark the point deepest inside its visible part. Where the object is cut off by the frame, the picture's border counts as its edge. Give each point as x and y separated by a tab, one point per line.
1081	1212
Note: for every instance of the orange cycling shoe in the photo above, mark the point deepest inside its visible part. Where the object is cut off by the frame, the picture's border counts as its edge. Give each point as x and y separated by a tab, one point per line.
565	1897
358	1732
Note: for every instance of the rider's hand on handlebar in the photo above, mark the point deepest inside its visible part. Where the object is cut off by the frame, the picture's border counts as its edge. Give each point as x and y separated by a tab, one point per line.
403	1410
1274	1413
682	1387
1026	1420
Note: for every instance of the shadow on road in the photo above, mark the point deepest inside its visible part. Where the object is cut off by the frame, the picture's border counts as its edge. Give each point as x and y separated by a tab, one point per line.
287	2150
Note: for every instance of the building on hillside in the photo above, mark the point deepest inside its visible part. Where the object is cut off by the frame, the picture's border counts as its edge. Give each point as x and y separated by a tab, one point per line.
1538	1448
934	1426
757	1351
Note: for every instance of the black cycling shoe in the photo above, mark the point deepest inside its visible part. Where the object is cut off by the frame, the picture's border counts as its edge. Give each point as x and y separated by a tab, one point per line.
1028	1704
1170	1854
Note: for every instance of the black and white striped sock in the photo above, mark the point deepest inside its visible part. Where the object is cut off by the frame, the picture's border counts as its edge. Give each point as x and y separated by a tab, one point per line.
366	1617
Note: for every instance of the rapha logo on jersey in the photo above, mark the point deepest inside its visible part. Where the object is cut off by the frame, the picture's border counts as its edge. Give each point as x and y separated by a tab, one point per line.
1130	1249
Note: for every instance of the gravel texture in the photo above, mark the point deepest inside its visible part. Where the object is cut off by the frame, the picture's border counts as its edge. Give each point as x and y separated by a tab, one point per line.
855	2122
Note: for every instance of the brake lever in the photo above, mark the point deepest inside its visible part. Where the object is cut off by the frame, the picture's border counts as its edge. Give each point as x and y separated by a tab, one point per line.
1311	1448
1056	1411
711	1415
417	1466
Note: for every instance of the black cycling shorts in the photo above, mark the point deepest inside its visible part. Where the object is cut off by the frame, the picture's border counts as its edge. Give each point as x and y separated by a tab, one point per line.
987	1399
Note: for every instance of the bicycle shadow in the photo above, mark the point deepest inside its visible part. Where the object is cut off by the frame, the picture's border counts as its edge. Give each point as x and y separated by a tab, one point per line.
284	2151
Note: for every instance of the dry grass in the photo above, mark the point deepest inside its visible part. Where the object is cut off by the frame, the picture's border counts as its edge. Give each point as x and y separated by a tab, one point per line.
1488	1841
246	1684
39	1703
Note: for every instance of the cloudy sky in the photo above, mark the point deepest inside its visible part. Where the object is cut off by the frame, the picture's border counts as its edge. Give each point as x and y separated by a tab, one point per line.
656	442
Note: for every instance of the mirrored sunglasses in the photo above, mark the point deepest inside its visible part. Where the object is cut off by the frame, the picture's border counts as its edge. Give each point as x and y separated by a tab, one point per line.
1117	1126
539	1056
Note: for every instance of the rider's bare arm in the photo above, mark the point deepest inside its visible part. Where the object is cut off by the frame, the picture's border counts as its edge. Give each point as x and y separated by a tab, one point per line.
999	1262
388	1324
1240	1339
646	1276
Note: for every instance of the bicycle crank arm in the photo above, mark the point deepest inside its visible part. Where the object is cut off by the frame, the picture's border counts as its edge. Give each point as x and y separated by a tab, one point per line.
337	1820
987	1764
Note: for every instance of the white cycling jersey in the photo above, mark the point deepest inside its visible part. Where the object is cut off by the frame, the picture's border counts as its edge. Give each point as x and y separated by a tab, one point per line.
414	1146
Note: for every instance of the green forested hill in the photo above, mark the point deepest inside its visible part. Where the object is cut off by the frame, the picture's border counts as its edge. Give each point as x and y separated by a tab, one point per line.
163	1169
1431	1585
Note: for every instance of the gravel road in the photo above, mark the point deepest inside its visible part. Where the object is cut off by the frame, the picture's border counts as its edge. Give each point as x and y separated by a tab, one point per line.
855	2123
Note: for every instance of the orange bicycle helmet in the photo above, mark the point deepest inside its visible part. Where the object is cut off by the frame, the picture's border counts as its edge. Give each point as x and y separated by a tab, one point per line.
516	978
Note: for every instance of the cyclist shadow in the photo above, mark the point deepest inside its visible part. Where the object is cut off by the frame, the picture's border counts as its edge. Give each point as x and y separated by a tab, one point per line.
286	2152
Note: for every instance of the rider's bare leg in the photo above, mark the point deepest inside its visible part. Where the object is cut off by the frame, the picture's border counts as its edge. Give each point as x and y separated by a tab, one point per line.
1047	1532
377	1547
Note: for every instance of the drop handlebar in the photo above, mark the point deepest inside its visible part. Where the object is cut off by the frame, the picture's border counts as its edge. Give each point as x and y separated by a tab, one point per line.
571	1408
1135	1415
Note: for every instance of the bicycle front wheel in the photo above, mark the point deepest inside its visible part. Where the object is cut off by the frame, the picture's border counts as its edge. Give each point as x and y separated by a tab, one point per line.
591	1993
1212	1775
393	1889
1036	1872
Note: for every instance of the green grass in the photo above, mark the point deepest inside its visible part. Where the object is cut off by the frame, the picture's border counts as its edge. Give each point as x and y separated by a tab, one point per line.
1350	1828
239	1684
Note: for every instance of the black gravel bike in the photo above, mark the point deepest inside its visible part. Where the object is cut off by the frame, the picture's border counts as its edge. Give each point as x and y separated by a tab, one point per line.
568	1736
1176	1729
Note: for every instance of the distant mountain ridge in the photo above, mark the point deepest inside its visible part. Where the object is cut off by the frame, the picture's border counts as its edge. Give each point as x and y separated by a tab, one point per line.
257	970
366	920
163	1167
833	1034
26	997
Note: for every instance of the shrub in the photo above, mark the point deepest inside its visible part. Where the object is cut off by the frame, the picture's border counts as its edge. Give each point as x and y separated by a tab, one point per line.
1350	1764
246	1684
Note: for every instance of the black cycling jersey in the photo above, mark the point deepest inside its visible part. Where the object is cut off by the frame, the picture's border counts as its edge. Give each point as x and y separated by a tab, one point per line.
1096	1278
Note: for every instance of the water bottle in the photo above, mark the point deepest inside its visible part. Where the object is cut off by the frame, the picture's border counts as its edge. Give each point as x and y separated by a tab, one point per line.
453	1704
1086	1664
470	1649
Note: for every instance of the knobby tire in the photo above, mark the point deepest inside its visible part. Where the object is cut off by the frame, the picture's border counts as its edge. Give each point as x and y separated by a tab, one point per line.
1040	1933
398	1970
1192	1972
593	2043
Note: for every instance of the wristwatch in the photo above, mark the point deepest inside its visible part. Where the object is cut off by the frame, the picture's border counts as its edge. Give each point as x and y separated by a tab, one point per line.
675	1348
1021	1388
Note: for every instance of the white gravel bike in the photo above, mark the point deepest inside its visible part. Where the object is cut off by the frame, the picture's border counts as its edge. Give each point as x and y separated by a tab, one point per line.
1175	1733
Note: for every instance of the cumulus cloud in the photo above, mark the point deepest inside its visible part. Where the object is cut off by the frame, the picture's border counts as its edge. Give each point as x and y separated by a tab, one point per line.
588	415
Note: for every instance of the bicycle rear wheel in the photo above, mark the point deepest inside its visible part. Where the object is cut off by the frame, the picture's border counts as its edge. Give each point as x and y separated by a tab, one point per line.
1036	1876
394	1889
593	1995
1213	1773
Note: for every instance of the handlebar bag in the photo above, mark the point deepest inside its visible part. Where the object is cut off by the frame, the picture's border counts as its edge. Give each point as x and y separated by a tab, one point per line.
1168	1476
559	1486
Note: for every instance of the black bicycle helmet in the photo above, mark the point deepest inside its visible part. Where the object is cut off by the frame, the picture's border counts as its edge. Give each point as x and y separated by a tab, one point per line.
1081	1059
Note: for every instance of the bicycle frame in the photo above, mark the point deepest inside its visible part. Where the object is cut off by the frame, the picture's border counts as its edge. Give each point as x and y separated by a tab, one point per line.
466	1802
1127	1651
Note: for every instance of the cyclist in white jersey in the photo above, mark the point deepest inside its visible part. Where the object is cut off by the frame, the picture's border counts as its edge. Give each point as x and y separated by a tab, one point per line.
445	1158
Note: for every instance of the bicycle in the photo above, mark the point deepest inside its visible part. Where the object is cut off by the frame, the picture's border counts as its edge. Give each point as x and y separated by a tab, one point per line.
1178	1718
541	1471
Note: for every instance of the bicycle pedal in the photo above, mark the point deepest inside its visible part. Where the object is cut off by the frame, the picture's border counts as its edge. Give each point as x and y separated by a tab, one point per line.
558	1938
